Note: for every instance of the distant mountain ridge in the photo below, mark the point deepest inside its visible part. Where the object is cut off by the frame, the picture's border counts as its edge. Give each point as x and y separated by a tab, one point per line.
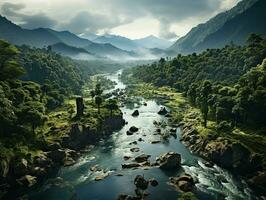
118	41
124	43
19	36
199	38
63	42
153	42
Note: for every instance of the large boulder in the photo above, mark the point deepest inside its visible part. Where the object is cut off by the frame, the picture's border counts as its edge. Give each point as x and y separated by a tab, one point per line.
130	165
129	133
135	113
184	183
153	182
233	156
142	158
140	182
133	129
27	181
170	160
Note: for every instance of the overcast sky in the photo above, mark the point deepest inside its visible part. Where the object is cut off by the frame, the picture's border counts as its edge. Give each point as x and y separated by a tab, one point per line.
131	18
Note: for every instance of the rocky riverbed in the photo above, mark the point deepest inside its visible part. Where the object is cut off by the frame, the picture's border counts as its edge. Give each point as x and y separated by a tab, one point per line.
21	176
151	150
228	154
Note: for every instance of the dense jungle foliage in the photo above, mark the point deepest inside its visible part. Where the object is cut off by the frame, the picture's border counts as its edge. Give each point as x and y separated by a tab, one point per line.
228	84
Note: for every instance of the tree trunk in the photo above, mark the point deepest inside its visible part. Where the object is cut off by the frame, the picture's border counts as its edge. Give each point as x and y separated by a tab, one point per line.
205	120
98	109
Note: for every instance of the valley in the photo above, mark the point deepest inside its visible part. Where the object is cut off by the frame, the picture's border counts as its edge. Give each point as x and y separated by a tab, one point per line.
133	100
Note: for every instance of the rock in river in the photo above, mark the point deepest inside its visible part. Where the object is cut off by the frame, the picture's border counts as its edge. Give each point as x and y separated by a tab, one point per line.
153	182
170	160
129	133
155	142
184	182
135	149
130	165
133	129
142	158
135	113
162	111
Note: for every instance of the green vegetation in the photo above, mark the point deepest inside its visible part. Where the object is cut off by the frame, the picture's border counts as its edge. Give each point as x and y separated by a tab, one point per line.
37	100
187	196
225	88
224	84
225	66
22	106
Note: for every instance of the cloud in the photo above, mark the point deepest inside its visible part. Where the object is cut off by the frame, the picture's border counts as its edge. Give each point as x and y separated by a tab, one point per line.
164	30
84	16
86	22
27	21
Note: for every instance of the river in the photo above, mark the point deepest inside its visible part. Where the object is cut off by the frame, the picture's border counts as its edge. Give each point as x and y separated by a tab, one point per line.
77	181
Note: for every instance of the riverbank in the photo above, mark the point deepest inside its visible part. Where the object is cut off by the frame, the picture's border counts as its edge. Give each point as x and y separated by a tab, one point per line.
234	151
62	140
239	151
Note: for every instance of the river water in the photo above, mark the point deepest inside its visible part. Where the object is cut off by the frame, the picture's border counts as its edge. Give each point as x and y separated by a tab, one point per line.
77	181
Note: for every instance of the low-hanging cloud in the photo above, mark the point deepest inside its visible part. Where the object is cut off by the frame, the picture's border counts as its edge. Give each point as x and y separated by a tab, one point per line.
84	16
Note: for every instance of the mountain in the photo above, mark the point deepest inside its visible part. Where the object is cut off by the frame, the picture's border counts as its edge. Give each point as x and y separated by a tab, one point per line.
240	17
70	38
153	42
17	35
239	28
69	44
63	42
118	41
129	45
65	49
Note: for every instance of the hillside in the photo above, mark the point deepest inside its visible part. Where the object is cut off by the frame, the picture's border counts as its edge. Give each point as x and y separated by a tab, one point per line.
70	38
17	35
238	29
191	41
67	50
43	37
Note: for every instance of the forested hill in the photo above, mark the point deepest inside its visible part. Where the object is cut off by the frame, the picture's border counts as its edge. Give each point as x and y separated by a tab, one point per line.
235	87
234	25
224	65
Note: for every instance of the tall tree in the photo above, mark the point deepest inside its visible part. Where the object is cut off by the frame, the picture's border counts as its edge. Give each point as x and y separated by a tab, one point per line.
205	91
112	105
98	102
